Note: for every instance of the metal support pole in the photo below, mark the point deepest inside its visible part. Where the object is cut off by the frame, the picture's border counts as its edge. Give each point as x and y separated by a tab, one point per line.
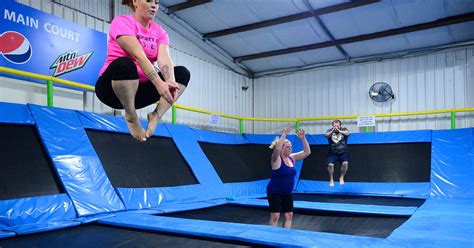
173	114
50	93
453	120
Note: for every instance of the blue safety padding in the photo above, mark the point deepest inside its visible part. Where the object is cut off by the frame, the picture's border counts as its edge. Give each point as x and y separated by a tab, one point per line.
248	189
318	139
94	218
177	207
297	147
142	198
113	123
42	227
452	164
336	207
218	137
379	137
203	170
12	113
437	223
6	234
265	139
258	234
150	211
412	190
37	209
76	161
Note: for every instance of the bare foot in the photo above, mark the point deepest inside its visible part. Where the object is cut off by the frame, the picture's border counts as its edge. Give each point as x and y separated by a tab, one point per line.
136	129
331	183
153	120
341	181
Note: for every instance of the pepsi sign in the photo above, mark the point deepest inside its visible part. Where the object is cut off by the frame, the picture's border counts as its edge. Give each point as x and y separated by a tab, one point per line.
34	41
15	47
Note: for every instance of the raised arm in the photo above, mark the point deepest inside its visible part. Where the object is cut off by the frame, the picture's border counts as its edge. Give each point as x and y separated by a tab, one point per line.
278	146
344	131
329	133
306	148
131	45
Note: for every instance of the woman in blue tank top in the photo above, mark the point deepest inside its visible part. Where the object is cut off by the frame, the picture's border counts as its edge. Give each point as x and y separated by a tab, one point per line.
281	184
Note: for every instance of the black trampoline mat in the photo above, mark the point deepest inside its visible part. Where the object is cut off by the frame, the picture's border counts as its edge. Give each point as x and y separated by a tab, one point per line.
26	169
355	199
103	236
397	162
131	164
332	222
239	163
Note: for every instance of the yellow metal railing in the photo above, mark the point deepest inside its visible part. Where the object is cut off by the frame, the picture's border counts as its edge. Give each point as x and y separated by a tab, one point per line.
53	80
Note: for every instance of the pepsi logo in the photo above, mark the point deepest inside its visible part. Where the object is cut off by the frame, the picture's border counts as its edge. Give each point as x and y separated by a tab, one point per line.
15	47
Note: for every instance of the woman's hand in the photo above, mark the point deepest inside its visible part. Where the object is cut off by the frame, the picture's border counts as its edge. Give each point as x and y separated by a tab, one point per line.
168	90
286	131
300	132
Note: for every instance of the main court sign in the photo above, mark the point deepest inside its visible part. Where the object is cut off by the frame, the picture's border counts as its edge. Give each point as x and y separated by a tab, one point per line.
34	41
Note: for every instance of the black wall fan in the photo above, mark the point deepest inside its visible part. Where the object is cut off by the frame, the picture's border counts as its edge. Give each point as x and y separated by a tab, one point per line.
381	92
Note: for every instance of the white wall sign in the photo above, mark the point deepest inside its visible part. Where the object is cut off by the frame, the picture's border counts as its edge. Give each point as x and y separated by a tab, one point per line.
214	119
366	121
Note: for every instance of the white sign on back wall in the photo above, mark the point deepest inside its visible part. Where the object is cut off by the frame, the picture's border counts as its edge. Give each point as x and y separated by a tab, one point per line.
366	121
214	119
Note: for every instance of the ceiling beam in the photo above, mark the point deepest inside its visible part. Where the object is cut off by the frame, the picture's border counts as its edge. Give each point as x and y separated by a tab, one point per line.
290	18
326	31
185	30
187	5
413	28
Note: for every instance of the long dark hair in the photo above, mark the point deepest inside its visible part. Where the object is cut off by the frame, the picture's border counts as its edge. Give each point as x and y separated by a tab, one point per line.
129	3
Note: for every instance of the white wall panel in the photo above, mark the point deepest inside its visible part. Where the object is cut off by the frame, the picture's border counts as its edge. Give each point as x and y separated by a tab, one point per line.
97	8
442	80
17	91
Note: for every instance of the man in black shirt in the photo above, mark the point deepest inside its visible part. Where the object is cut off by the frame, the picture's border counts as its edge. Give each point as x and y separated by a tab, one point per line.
338	150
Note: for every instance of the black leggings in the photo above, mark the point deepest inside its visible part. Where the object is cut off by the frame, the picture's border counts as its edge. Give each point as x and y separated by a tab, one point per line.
124	69
280	203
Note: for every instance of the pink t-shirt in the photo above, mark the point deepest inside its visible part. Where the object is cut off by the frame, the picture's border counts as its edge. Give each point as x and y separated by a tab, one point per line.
149	39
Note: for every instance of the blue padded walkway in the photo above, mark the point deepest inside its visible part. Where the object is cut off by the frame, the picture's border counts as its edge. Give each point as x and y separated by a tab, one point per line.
438	223
336	207
264	235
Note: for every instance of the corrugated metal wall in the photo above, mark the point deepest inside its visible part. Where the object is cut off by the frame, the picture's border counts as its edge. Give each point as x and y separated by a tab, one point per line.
442	80
95	8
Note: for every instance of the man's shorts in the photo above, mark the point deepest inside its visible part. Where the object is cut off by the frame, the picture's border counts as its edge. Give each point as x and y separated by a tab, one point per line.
332	158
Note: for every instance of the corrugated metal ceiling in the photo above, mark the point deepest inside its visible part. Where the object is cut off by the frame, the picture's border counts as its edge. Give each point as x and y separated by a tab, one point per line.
263	36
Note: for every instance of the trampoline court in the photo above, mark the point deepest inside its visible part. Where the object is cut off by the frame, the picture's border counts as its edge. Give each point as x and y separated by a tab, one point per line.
77	171
195	188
